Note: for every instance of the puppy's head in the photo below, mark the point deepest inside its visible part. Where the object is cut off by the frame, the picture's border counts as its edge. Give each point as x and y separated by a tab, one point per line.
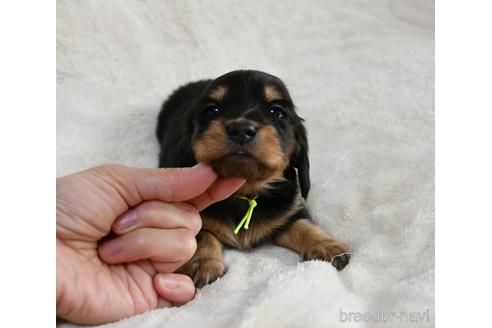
245	125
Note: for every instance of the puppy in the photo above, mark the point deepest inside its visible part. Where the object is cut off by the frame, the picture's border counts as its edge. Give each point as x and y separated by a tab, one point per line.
244	124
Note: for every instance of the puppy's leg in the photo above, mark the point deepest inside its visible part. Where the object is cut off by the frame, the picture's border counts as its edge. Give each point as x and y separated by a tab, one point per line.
311	242
207	264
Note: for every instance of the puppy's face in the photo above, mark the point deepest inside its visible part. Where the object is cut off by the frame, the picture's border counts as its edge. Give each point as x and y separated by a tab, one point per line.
245	126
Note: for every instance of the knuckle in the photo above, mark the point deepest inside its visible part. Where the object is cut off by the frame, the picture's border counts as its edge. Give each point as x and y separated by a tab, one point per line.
185	207
153	213
140	242
193	218
113	173
187	245
149	208
196	223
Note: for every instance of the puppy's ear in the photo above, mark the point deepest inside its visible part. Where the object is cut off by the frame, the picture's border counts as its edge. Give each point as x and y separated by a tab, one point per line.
300	160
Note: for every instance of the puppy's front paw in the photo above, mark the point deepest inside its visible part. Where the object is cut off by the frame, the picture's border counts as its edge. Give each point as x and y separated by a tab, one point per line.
333	251
203	270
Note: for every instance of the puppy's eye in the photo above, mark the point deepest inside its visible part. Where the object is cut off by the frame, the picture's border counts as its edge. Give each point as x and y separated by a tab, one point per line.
211	110
277	111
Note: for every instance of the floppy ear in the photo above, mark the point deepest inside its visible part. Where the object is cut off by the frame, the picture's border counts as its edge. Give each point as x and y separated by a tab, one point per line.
301	160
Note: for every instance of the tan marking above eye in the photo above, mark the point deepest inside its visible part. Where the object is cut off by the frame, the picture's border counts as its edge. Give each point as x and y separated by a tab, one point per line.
272	93
218	93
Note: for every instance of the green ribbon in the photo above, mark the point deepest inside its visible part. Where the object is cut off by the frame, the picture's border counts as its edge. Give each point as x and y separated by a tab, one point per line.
247	217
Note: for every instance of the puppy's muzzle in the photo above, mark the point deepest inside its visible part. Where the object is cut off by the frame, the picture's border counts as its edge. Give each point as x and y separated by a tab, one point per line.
241	132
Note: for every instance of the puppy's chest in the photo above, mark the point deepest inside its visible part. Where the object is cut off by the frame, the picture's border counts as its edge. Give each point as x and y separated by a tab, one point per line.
271	213
260	230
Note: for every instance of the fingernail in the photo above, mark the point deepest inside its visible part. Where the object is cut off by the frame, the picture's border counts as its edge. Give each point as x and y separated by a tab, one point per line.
170	282
112	247
127	220
199	165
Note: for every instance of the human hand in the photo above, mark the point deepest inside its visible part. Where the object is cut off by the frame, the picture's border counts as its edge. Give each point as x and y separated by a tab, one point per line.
154	215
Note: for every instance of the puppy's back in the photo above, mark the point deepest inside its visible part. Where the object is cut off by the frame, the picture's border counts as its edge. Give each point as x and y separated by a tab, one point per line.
172	131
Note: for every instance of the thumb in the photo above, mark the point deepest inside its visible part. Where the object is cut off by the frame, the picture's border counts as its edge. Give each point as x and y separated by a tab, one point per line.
136	185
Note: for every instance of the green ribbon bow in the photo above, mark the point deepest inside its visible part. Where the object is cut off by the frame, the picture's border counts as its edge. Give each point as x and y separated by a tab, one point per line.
249	213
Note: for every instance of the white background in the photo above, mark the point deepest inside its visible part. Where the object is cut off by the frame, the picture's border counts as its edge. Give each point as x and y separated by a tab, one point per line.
463	162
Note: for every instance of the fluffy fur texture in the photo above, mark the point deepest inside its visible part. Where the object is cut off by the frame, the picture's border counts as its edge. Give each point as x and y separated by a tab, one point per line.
244	124
362	76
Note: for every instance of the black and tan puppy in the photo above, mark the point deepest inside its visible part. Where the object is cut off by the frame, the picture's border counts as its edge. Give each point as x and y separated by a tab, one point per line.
244	124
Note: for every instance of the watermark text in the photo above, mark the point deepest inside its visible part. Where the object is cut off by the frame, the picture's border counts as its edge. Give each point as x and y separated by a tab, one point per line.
378	316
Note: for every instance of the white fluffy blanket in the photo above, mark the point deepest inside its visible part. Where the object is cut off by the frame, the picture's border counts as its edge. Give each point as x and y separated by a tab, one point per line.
361	74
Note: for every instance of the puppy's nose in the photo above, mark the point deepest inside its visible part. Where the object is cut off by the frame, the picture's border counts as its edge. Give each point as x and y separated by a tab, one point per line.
241	132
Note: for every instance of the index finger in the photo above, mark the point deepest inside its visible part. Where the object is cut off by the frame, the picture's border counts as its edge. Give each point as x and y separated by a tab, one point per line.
219	190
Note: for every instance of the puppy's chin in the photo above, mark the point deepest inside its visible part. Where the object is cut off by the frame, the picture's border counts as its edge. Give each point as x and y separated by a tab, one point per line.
242	166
